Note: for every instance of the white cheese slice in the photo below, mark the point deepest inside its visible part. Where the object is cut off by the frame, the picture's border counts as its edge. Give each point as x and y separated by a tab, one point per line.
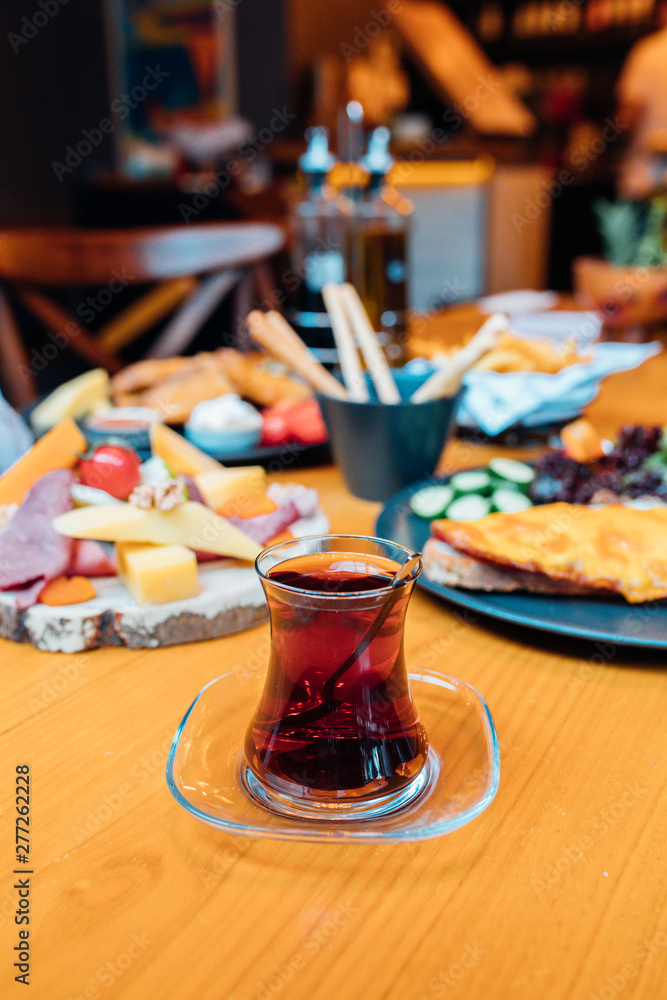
190	524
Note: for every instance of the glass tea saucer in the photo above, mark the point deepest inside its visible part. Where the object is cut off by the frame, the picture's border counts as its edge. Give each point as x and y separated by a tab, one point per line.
206	766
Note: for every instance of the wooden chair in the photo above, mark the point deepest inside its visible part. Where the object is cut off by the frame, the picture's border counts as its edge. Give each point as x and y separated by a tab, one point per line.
190	269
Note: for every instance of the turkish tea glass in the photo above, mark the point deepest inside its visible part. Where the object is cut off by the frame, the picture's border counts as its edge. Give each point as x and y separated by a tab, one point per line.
336	732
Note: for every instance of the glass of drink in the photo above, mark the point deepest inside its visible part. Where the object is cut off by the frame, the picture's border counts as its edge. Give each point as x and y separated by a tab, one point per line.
335	732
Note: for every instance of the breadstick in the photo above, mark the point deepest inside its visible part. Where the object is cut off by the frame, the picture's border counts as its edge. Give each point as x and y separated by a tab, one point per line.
289	334
350	367
280	347
376	363
446	380
279	323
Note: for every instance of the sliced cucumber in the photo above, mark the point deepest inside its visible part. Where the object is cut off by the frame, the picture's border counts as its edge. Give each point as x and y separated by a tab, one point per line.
472	481
514	473
509	501
468	508
432	501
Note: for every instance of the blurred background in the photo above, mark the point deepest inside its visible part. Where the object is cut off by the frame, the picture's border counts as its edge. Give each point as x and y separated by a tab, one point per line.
499	131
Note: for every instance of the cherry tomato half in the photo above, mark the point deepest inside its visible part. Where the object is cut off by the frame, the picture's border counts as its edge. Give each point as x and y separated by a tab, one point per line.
306	424
113	468
300	422
274	427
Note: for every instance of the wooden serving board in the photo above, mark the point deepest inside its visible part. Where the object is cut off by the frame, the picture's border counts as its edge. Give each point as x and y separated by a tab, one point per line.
230	599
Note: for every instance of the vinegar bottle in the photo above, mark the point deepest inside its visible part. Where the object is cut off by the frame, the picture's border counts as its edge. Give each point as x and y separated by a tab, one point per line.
379	249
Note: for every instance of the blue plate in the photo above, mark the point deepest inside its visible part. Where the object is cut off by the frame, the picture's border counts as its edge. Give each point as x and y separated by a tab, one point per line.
603	620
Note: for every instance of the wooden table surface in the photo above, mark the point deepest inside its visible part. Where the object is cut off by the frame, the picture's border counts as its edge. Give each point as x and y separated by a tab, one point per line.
556	892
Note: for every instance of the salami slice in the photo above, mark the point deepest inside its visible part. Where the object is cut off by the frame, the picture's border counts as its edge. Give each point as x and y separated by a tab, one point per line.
31	550
263	527
28	595
90	559
293	503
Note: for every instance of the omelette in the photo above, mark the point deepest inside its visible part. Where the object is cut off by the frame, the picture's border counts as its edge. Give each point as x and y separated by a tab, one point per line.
572	548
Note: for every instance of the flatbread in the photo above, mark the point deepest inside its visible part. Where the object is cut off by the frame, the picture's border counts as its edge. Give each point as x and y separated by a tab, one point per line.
616	547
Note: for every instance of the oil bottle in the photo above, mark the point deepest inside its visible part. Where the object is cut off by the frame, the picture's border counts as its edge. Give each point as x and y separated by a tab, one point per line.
320	227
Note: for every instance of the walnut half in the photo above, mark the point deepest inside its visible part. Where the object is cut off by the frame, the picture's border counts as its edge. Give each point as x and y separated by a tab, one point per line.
163	496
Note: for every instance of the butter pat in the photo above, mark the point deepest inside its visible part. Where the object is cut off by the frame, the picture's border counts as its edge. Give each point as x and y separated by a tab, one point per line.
157	574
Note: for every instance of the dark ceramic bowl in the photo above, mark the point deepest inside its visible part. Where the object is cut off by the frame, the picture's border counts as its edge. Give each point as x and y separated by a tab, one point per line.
407	380
381	448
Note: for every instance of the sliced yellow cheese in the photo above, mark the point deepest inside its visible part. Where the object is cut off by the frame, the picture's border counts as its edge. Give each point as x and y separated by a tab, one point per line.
190	524
219	486
182	457
76	398
157	574
58	449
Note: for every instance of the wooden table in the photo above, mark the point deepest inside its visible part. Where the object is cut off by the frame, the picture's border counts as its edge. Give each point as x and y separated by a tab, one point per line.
556	891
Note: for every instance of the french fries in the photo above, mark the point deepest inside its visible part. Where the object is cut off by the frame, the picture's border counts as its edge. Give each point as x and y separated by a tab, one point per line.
520	354
510	354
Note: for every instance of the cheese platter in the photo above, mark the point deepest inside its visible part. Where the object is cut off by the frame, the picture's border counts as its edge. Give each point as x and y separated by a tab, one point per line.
98	548
229	600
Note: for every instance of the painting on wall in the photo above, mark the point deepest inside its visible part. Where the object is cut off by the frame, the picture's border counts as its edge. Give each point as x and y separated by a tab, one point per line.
188	49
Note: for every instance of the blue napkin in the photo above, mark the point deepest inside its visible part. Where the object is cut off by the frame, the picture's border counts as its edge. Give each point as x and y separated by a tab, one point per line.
16	437
495	401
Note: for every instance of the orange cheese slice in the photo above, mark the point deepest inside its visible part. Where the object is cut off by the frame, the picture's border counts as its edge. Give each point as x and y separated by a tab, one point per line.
248	505
182	457
65	590
58	449
581	441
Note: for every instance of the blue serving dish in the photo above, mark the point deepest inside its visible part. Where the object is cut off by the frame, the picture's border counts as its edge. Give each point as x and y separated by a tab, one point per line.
223	442
127	424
